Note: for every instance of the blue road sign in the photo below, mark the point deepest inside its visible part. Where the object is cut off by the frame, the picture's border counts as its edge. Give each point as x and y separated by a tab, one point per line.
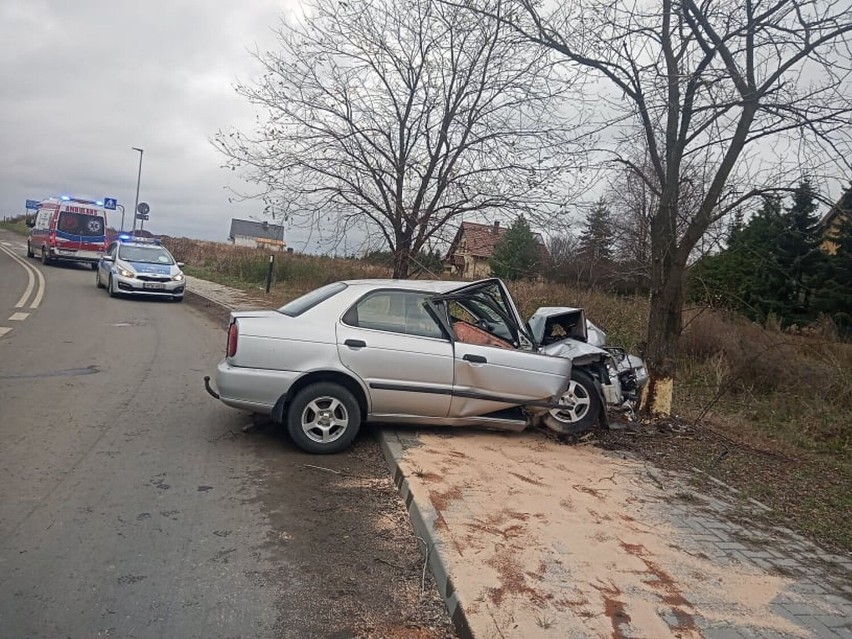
109	203
32	204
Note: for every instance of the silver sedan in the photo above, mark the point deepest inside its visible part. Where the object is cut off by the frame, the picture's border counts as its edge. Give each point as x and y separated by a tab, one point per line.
421	352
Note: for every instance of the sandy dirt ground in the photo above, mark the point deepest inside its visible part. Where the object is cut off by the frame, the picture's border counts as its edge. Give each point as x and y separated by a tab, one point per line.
547	540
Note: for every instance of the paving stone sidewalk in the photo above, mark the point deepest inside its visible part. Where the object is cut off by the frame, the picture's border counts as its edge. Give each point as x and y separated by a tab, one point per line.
529	538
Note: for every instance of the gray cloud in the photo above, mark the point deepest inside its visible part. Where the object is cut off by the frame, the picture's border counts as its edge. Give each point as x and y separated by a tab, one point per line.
85	81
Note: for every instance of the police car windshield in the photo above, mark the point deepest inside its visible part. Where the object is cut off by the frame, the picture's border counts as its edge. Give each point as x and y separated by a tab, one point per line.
144	254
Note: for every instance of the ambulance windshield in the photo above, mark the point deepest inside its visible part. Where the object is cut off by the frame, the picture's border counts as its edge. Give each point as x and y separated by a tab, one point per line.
81	224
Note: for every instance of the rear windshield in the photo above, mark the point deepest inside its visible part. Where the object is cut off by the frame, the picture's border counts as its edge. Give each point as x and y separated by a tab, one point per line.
81	224
309	300
145	254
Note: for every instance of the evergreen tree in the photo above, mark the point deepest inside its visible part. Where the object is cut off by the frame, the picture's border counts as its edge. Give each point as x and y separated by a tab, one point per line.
597	236
799	255
746	276
517	254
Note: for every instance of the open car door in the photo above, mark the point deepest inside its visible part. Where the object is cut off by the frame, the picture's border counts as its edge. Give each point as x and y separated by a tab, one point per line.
495	367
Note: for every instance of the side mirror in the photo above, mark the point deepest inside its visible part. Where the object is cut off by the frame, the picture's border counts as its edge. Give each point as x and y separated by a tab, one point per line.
30	223
180	264
108	258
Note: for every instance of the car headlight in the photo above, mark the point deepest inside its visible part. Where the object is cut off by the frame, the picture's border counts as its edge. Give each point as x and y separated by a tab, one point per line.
125	273
178	277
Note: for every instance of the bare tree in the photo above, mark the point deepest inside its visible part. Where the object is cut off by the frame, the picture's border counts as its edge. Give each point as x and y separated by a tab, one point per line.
712	86
402	116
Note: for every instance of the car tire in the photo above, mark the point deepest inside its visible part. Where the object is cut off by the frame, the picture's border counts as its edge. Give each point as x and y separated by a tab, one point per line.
110	288
44	258
98	282
30	250
323	418
582	394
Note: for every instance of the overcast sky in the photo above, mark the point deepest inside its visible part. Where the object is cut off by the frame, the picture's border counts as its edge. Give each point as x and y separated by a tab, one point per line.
83	81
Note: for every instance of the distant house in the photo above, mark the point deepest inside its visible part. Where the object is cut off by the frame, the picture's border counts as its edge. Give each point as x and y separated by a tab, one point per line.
831	221
257	234
472	248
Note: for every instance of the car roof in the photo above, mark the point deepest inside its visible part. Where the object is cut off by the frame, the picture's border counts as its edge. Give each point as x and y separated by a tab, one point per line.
429	286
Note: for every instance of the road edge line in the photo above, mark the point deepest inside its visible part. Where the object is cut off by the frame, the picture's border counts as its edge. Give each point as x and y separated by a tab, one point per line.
423	518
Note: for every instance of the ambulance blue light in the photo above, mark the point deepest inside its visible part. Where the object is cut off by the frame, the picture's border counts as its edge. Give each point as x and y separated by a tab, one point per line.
125	236
65	198
99	203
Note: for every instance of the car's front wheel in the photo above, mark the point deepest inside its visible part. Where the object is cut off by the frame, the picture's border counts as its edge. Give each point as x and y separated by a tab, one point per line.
323	418
111	287
582	406
98	282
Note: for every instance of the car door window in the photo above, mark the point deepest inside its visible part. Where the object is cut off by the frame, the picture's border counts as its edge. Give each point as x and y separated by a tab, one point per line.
395	312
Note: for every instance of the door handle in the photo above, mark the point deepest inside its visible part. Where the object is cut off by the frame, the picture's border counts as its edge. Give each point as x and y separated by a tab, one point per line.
475	359
355	343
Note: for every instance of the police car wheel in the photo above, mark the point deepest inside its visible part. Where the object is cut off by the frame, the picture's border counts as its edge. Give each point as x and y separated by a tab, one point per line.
110	288
98	279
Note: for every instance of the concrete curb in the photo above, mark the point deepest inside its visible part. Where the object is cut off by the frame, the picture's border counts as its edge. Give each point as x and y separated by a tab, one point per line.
422	516
217	310
423	519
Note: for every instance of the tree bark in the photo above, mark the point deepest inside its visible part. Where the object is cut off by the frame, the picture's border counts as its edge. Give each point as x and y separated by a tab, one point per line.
402	259
665	322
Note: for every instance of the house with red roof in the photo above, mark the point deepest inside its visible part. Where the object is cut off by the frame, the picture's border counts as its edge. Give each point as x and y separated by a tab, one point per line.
472	248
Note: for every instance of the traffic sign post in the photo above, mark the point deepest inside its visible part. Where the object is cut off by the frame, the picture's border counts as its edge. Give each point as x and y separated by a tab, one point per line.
142	210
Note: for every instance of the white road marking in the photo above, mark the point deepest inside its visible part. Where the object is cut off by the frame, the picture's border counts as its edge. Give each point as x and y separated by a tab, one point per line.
4	330
18	317
30	269
6	243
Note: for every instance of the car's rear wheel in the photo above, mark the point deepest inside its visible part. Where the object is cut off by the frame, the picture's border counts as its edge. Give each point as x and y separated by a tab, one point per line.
582	406
323	418
30	250
44	257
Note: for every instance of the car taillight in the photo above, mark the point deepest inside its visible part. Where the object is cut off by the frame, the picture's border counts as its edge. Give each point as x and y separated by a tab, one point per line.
233	333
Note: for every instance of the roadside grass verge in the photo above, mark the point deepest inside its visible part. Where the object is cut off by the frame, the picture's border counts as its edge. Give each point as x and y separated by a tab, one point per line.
15	226
787	396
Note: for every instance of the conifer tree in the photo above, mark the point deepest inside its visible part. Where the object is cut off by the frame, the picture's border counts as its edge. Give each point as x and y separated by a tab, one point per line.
517	254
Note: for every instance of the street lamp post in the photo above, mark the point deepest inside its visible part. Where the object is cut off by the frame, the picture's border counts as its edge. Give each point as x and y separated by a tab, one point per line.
138	180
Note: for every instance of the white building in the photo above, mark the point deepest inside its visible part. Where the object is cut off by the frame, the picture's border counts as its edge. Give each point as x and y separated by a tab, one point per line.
257	234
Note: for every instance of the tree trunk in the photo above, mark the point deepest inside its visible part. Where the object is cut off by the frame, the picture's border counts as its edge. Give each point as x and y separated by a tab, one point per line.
664	327
402	260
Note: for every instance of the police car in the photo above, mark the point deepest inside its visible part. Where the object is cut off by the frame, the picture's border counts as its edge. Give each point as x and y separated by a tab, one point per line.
140	266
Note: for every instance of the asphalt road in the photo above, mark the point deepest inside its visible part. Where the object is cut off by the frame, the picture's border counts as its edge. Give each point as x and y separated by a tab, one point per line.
133	505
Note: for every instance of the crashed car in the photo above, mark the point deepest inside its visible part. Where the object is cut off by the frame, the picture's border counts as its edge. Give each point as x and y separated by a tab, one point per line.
414	352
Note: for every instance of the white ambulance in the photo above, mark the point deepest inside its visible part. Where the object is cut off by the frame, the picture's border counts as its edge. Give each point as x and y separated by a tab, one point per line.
68	229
